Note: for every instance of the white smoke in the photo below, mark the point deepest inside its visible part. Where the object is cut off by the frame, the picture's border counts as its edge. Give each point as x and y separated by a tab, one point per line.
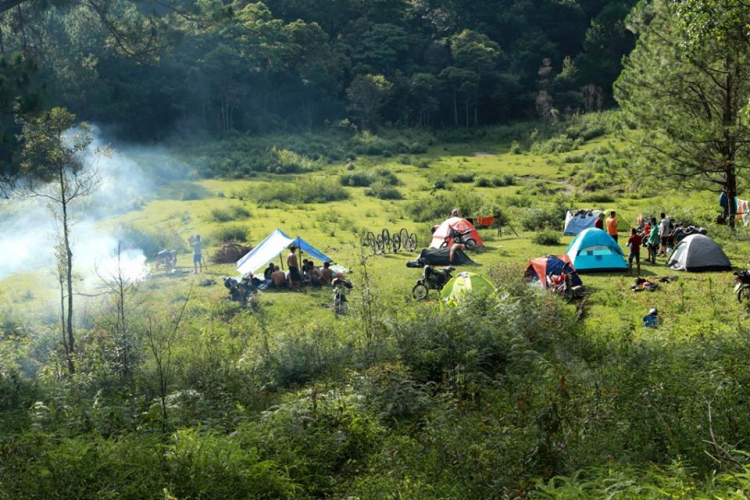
29	231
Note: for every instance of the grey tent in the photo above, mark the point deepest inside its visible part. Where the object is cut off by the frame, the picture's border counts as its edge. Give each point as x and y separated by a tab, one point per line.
697	253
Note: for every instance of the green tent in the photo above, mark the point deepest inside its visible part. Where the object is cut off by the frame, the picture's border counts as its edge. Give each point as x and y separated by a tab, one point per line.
465	283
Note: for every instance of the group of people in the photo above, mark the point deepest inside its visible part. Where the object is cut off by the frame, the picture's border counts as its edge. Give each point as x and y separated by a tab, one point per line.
296	277
650	233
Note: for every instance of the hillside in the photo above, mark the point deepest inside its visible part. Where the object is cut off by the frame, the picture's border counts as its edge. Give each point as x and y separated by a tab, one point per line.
285	400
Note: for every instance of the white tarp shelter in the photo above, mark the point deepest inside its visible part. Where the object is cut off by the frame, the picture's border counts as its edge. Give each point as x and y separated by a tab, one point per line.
271	247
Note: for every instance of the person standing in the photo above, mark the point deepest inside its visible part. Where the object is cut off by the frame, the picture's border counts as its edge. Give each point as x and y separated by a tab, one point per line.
664	227
295	278
197	245
612	225
599	222
635	251
653	241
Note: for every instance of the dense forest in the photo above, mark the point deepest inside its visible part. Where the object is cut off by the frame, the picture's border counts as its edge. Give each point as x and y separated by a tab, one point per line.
159	67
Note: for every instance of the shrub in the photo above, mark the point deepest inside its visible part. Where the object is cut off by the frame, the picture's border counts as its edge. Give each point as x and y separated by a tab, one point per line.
355	179
515	148
597	198
439	183
151	242
383	191
190	195
463	177
437	207
301	191
560	144
546	237
535	219
233	232
228	214
483	182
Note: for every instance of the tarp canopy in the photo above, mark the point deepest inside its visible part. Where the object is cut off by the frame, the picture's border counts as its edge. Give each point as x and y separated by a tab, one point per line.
271	247
578	220
463	284
442	233
696	253
539	269
595	250
442	257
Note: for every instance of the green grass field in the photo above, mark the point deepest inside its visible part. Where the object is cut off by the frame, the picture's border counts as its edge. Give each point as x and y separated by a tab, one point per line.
696	304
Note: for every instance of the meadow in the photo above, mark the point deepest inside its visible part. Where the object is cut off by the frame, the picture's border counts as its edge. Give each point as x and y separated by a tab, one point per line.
509	397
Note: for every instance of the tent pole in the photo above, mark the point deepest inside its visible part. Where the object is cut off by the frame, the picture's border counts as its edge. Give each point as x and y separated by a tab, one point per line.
281	259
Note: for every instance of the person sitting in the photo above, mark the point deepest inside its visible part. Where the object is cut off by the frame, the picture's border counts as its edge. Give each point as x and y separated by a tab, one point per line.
651	320
326	274
278	278
315	276
268	272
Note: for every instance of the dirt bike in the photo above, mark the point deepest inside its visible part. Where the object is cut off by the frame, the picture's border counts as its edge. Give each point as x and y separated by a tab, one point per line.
742	288
460	238
239	291
562	285
431	280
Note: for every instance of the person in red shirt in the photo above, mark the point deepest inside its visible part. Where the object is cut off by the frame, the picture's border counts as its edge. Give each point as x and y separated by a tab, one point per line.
599	222
635	251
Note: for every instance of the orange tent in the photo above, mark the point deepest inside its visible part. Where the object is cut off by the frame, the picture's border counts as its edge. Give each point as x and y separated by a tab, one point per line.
540	268
441	235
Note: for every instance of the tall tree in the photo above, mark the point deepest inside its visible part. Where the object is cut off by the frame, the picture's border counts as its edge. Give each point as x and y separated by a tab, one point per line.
688	95
53	164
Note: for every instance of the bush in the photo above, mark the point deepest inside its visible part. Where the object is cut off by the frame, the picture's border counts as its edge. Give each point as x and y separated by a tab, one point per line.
228	214
301	191
560	144
232	232
597	198
535	219
364	178
190	195
546	237
383	191
151	242
515	148
437	207
483	182
463	177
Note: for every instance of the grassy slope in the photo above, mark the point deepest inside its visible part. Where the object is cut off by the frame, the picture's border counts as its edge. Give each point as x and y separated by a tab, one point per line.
696	304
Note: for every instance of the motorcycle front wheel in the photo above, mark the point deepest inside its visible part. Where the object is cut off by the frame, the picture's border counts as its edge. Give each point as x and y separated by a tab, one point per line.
420	291
471	244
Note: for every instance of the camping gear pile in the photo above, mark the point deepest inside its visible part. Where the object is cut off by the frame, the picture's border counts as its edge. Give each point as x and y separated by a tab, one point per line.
456	230
385	242
644	285
230	252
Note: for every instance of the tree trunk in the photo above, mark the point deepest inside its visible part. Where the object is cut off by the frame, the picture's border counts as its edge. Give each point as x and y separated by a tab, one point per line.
466	107
455	108
729	120
68	265
731	187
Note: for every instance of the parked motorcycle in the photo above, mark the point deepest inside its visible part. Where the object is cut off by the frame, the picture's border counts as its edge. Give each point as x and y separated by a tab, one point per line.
460	238
239	291
742	288
431	279
562	285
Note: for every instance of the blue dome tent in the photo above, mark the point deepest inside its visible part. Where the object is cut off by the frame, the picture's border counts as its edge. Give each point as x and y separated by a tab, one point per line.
594	250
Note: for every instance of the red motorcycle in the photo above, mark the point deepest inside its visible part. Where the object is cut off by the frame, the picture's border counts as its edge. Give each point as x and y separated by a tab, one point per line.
562	285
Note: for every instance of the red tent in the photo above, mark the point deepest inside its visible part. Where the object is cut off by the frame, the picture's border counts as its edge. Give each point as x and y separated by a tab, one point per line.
442	233
540	268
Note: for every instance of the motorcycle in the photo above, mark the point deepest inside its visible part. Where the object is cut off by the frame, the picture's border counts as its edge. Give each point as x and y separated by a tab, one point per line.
239	291
562	285
460	238
742	288
431	280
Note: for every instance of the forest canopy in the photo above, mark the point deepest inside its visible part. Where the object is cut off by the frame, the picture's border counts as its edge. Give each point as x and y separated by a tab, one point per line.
196	66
